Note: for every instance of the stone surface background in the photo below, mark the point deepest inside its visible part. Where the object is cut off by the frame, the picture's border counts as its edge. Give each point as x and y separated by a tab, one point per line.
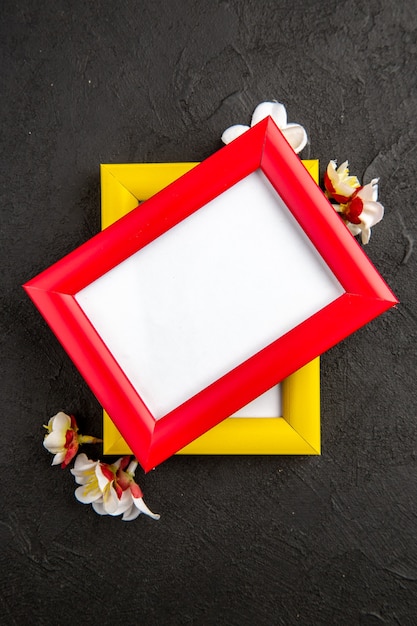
241	540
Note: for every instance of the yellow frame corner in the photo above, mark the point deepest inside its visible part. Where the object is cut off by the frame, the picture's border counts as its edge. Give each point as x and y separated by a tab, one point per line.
297	431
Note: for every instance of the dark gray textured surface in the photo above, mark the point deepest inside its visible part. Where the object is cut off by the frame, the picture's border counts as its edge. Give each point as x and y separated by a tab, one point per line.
241	540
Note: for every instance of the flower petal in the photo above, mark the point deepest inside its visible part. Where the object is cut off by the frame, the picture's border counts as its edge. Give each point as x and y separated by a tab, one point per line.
60	421
296	136
86	494
374	183
233	132
58	458
372	213
110	500
339	185
70	454
83	464
55	441
354	228
125	502
135	490
123	462
115	466
123	480
369	192
275	109
365	235
131	514
104	475
139	503
99	507
83	479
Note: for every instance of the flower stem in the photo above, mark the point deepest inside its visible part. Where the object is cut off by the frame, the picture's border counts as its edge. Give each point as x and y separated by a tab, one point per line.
132	467
88	439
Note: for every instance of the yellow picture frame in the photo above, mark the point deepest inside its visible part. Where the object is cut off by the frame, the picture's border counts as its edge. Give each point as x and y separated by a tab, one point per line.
297	431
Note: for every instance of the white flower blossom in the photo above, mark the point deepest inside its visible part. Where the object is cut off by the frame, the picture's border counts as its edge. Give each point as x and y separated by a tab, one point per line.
54	441
63	439
359	207
295	134
110	489
338	182
363	211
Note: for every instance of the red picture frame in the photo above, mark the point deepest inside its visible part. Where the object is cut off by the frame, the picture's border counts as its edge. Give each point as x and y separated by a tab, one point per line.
365	294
